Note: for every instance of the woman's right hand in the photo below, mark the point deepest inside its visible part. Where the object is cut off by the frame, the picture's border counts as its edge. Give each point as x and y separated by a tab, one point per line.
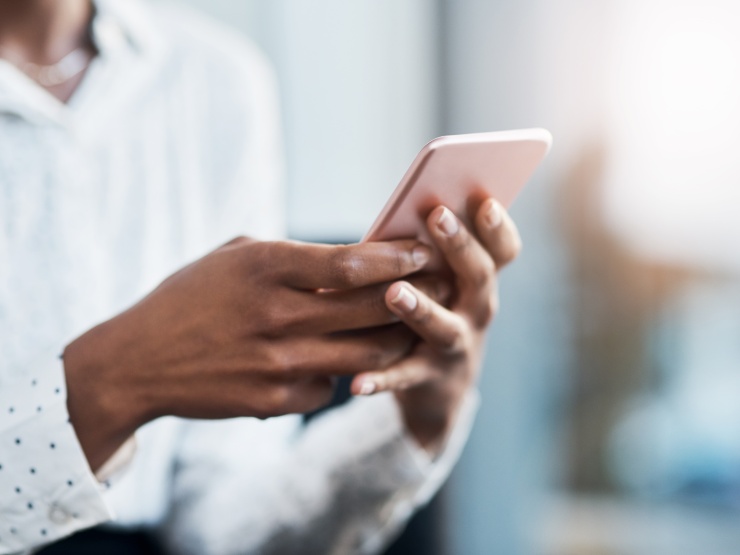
252	329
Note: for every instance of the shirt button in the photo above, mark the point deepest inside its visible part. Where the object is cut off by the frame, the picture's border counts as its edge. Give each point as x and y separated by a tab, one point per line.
58	515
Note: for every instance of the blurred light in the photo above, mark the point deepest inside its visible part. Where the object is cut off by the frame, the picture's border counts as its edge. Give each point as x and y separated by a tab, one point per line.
673	183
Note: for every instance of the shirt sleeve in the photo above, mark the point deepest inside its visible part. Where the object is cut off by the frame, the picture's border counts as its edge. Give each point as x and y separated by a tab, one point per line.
346	483
47	490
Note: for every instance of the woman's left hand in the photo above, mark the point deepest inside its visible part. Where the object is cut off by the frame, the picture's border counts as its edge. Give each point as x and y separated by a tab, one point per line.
431	383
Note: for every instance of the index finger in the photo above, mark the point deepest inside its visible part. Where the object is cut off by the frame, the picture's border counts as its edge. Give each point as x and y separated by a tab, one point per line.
315	266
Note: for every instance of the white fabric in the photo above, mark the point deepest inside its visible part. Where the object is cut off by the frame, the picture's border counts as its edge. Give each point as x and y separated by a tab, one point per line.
169	148
118	462
47	489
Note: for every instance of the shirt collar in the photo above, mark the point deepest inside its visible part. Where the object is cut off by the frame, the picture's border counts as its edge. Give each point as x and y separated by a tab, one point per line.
126	24
123	32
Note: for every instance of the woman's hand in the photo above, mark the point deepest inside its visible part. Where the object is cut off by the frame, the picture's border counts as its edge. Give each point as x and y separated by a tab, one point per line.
430	384
251	329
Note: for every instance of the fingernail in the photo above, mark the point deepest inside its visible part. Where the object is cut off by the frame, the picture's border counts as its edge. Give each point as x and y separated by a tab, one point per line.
447	223
421	255
405	299
367	387
494	214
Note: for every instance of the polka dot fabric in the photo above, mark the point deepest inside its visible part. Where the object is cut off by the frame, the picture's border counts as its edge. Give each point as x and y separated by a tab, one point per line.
47	490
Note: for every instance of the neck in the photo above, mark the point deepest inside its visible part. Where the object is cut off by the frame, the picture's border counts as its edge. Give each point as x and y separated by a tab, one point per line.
44	31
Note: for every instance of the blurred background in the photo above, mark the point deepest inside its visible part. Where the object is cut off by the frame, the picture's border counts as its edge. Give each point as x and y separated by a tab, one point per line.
611	415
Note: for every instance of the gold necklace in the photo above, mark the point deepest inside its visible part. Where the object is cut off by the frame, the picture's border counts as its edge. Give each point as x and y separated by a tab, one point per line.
52	75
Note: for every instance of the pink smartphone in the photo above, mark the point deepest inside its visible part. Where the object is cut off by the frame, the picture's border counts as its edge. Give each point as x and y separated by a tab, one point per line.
460	171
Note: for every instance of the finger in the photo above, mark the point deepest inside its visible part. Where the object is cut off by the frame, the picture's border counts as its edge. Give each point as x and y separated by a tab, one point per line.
313	266
498	233
474	269
290	397
309	395
334	311
408	373
443	330
239	241
433	286
323	312
344	354
256	395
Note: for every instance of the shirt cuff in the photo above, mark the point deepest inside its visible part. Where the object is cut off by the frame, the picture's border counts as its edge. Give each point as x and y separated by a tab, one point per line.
375	459
117	463
430	471
47	490
384	432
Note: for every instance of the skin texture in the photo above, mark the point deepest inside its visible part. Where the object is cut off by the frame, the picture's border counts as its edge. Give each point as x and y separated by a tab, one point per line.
252	329
259	328
432	381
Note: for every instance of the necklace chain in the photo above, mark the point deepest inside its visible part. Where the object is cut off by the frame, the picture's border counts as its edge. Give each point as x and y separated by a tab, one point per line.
52	75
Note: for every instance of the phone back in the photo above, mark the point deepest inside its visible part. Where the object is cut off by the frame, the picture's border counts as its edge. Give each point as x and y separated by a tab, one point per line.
460	171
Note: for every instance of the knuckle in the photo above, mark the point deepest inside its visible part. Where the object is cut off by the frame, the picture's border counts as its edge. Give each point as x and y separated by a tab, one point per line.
392	381
461	242
423	315
278	399
510	250
346	267
488	266
487	311
413	380
238	240
280	318
269	262
403	262
254	261
484	316
443	291
272	322
402	381
482	277
452	342
267	257
280	362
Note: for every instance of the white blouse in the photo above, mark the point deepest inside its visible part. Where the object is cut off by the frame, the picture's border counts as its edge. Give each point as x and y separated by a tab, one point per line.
169	148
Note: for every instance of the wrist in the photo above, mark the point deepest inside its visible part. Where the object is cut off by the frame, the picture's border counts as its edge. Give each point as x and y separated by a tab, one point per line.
101	407
429	412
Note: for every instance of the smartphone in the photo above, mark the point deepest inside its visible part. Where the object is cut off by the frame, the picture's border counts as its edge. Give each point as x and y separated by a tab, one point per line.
460	172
